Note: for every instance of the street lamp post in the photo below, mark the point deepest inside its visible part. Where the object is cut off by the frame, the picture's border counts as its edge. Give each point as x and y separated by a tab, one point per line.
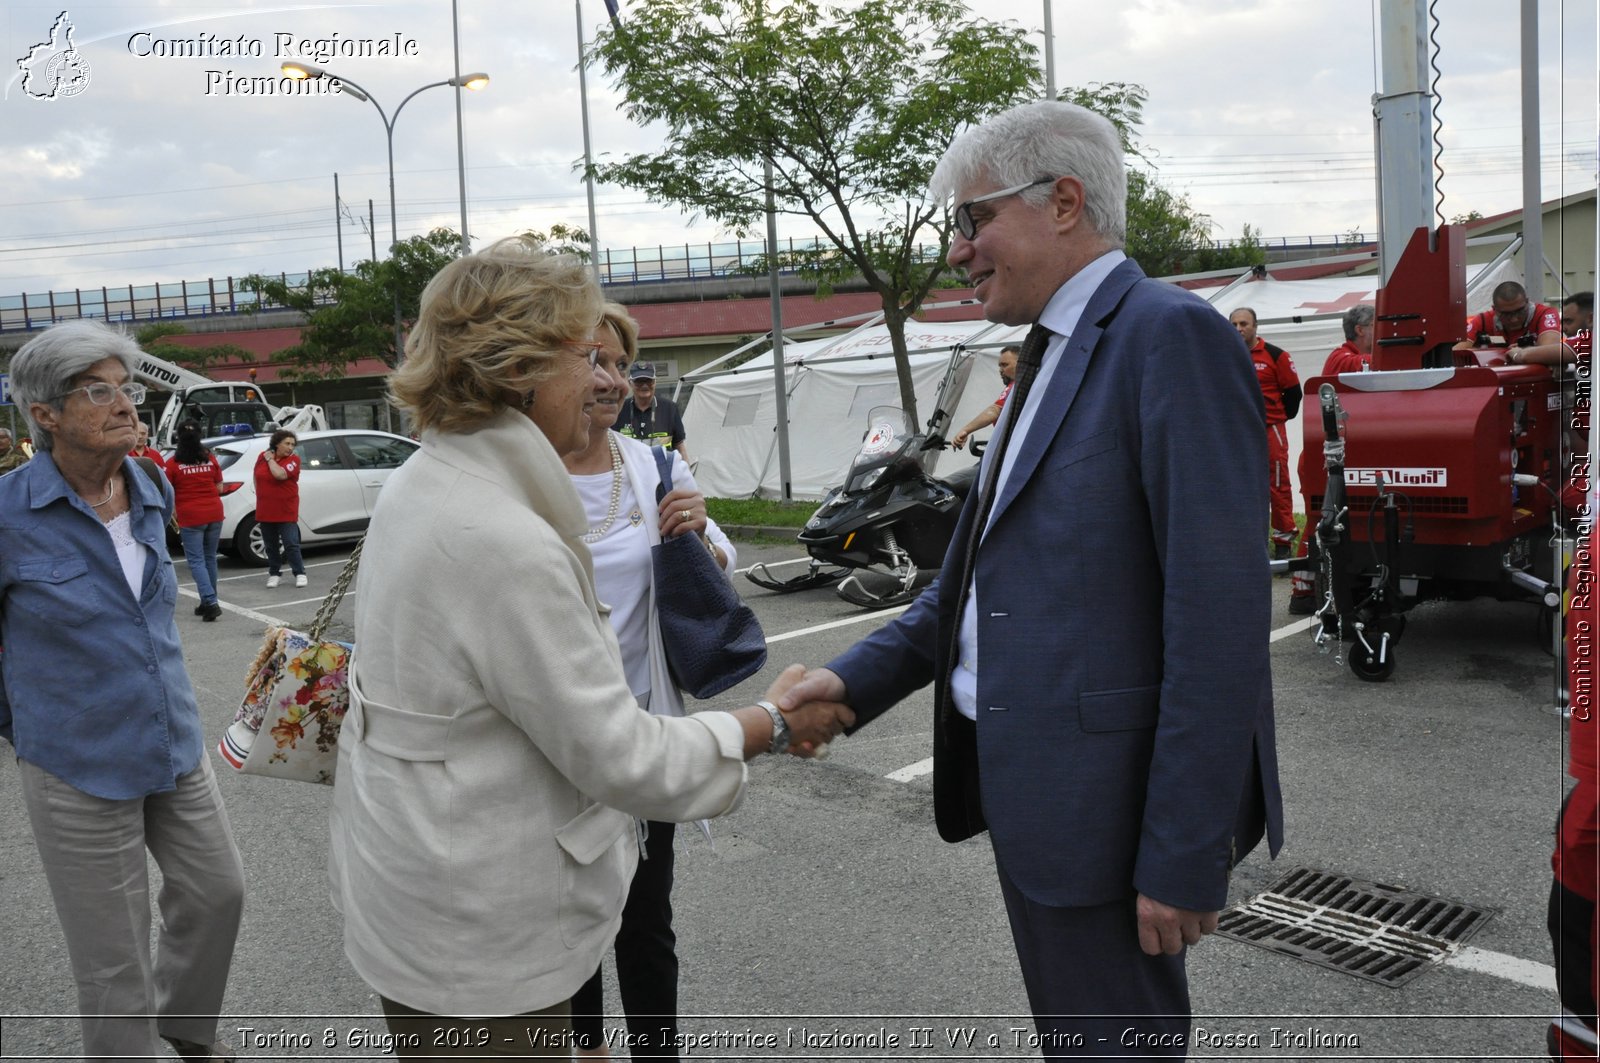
306	71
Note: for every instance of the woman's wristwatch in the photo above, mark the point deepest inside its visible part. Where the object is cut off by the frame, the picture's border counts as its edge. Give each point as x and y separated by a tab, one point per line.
780	728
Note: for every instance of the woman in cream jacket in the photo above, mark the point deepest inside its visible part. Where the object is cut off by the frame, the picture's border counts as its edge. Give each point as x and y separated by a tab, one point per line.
493	759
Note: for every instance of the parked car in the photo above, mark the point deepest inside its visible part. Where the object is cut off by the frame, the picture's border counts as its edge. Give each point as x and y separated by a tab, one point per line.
341	473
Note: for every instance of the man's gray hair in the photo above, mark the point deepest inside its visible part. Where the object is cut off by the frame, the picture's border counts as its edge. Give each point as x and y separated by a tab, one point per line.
1046	138
1360	314
44	369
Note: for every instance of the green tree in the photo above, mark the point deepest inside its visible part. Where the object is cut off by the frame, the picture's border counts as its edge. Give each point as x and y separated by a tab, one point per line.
153	337
851	107
350	316
1167	236
562	239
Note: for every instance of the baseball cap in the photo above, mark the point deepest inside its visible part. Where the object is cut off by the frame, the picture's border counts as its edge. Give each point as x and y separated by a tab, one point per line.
642	371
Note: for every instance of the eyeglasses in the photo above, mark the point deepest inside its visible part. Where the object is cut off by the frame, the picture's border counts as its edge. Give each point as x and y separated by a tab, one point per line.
593	347
102	394
1514	314
969	228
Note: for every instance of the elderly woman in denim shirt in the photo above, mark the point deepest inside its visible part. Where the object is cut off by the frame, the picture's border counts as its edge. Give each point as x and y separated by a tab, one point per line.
97	703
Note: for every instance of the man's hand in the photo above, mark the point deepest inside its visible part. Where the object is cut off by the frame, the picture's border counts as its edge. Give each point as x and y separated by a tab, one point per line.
815	724
819	684
1163	928
961	437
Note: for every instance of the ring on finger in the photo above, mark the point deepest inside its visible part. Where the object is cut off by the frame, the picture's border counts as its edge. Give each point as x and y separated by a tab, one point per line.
686	514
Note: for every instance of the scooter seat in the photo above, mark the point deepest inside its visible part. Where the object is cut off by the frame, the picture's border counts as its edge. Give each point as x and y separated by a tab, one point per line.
961	480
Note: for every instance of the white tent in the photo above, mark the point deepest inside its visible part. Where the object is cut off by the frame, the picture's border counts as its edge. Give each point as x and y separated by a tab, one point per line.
833	383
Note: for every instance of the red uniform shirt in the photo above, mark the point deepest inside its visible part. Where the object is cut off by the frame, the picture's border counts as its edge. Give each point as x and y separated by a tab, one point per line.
1346	359
1275	372
194	489
1540	319
1004	395
278	501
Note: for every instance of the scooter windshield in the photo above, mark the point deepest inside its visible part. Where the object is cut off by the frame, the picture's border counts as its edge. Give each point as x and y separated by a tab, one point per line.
889	434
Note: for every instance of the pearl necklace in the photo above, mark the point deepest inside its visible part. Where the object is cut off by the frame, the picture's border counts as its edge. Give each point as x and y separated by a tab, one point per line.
596	534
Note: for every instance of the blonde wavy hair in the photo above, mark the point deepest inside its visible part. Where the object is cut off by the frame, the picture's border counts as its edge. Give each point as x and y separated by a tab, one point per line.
488	332
627	329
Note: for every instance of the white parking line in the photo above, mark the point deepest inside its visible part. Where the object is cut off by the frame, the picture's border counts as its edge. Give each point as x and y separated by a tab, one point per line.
239	610
912	771
261	573
1297	627
1511	968
863	618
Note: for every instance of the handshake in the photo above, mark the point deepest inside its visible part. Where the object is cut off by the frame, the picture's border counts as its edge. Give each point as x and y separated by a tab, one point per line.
812	705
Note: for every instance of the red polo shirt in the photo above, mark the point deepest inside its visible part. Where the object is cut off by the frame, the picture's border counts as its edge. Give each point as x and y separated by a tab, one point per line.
278	501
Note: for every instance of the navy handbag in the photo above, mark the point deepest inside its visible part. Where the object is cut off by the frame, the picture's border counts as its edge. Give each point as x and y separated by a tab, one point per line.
712	639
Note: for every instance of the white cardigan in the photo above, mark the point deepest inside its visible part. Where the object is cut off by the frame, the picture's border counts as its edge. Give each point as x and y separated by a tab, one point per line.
493	757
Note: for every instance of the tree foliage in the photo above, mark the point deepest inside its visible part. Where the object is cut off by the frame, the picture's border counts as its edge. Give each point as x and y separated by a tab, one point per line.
562	239
850	106
1167	236
350	316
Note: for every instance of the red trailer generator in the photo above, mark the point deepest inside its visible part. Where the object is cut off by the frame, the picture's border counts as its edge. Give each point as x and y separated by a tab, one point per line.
1432	476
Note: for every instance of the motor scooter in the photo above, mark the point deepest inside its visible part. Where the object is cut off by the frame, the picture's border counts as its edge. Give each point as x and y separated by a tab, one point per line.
891	520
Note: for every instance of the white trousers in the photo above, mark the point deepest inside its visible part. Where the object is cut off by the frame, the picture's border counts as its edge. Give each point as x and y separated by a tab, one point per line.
93	851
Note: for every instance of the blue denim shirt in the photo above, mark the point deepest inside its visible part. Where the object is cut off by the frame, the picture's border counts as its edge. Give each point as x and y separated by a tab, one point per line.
93	687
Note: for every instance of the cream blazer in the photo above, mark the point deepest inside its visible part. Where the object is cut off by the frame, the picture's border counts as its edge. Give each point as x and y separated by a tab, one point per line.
493	759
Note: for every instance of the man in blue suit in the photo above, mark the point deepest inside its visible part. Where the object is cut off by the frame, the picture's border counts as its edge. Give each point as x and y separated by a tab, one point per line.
1098	636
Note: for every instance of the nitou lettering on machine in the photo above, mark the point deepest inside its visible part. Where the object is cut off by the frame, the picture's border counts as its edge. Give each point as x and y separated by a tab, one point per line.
1434	476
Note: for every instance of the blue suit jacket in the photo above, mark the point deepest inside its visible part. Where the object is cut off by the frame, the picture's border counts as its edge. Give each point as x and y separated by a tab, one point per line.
1124	733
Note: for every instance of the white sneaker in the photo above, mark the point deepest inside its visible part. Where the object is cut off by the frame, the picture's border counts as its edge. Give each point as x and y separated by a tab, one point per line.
300	580
272	581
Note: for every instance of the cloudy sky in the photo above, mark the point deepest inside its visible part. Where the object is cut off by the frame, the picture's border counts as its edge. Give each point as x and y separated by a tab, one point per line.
161	167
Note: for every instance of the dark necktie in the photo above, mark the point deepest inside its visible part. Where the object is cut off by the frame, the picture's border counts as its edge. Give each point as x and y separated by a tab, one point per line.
1028	360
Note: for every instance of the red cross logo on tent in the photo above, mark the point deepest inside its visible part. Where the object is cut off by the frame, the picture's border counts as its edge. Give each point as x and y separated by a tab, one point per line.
1344	302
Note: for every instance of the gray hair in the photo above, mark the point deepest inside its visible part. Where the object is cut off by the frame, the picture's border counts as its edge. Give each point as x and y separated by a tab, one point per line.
44	369
1046	138
1360	314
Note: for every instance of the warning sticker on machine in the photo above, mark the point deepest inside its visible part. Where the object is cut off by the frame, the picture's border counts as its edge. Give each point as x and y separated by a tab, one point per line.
1395	477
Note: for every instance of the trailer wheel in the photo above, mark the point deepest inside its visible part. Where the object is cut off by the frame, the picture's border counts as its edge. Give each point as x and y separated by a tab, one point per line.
1366	665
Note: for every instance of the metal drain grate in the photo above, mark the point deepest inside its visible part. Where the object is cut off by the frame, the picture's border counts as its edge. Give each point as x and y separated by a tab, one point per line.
1367	929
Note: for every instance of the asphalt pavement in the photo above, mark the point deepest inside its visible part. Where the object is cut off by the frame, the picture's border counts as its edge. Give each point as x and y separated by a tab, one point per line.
828	920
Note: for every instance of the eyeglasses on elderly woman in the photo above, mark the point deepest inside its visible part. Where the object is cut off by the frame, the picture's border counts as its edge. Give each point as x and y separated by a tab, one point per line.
590	348
102	394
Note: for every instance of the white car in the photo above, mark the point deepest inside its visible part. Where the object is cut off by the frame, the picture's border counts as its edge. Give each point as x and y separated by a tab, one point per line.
341	473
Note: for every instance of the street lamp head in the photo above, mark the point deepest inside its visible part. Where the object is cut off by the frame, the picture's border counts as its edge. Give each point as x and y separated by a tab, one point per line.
475	82
308	71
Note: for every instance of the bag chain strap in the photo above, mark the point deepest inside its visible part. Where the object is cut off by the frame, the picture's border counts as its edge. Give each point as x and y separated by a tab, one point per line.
330	604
